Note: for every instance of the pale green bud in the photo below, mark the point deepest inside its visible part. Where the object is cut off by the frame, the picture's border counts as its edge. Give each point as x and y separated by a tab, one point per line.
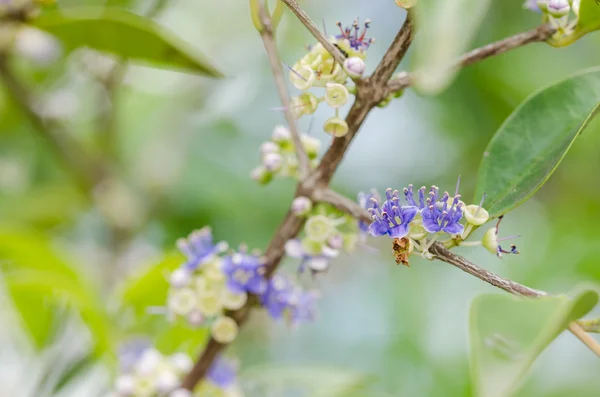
182	301
311	246
305	104
302	78
543	5
476	215
311	145
261	175
209	304
272	162
335	126
232	300
490	241
319	228
416	230
281	134
224	330
336	95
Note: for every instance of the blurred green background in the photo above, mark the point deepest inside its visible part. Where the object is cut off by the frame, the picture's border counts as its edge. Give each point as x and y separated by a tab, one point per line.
184	150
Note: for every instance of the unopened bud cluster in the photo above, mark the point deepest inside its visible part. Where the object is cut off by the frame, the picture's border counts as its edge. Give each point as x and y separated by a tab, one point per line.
327	231
420	220
319	69
146	372
560	14
278	156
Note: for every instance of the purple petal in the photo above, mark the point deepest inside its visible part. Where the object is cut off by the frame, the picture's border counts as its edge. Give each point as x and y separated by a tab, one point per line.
399	231
378	229
454	228
431	225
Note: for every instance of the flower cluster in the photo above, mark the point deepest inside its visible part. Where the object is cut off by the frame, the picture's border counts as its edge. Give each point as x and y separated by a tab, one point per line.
426	214
145	372
327	231
557	13
319	69
278	156
211	282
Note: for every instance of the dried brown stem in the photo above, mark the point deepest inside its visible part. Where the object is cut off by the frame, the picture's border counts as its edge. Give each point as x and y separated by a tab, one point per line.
541	33
445	255
271	48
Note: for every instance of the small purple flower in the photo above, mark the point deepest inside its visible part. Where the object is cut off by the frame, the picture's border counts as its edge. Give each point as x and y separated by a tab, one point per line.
131	352
199	248
357	42
438	216
222	373
278	296
315	262
305	307
364	200
245	273
408	193
391	218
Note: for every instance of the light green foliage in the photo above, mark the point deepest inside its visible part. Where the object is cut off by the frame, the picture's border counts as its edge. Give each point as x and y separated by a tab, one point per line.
127	35
530	144
507	333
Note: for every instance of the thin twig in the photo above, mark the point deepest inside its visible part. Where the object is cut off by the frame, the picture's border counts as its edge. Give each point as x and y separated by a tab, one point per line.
266	34
314	30
445	255
86	171
541	33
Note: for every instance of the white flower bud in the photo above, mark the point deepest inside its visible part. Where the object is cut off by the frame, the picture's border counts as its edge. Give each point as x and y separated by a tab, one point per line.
166	381
36	45
261	175
335	126
354	66
148	363
195	318
180	278
210	304
181	362
336	241
181	393
224	330
558	8
281	134
268	147
319	228
232	300
182	301
272	162
301	206
311	145
476	215
302	78
125	385
293	248
318	264
336	95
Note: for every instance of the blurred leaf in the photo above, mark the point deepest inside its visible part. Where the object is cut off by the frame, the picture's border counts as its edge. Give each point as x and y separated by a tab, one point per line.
181	337
445	32
125	34
507	333
35	274
313	380
530	144
149	287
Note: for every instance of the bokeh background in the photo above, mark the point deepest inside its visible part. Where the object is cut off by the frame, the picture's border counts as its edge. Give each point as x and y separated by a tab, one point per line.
184	150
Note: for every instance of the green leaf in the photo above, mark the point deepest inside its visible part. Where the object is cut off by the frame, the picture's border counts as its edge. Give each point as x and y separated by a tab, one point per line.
445	32
507	333
41	282
314	380
125	34
530	144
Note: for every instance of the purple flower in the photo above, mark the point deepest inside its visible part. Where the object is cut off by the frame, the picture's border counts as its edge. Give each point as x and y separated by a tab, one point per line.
531	5
305	307
199	248
408	193
245	273
131	352
222	373
278	296
357	42
391	218
438	216
364	200
315	262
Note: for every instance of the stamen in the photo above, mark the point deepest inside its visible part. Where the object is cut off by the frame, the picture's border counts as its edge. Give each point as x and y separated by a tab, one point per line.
457	185
480	204
509	237
339	25
325	28
296	73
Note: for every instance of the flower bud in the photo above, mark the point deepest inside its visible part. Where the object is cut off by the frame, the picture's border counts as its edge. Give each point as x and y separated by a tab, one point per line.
281	134
311	145
182	301
416	230
224	330
166	381
575	7
558	8
209	304
180	278
301	206
336	241
125	386
148	362
182	362
180	393
272	162
311	247
261	175
490	241
336	95
335	126
268	147
476	215
232	300
305	104
302	78
195	318
543	5
354	66
319	228
406	3
36	45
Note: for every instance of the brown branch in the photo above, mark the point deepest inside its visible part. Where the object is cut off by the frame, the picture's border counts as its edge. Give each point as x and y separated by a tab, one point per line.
445	255
266	34
541	33
86	171
314	30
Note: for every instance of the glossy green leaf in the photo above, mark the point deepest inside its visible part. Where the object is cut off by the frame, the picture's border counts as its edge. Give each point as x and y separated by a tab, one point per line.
36	274
445	32
530	144
125	34
507	333
313	380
